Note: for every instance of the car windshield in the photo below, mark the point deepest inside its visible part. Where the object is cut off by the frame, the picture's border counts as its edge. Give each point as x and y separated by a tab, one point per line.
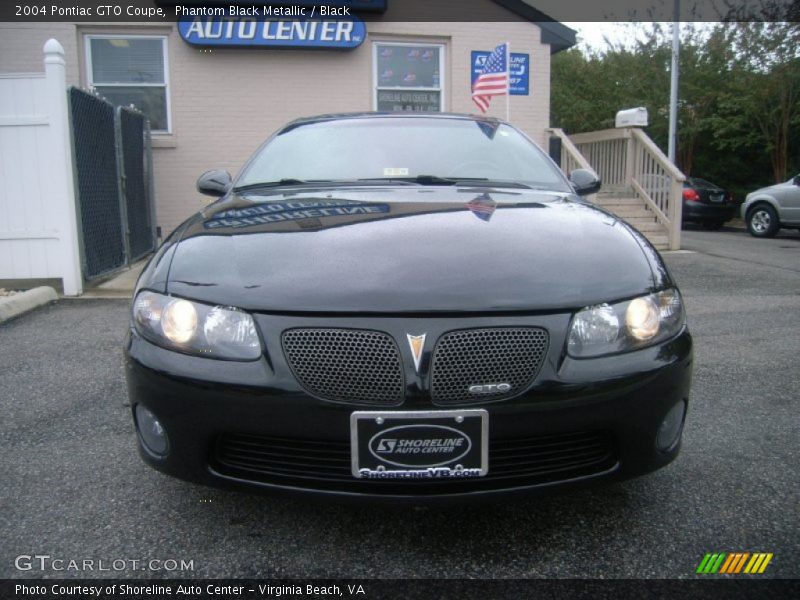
422	149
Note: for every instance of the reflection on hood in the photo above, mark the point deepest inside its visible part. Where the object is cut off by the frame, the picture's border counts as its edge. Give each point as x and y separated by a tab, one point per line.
296	210
482	207
409	249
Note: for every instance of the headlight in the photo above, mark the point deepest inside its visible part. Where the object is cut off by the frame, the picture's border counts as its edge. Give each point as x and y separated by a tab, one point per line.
625	326
194	328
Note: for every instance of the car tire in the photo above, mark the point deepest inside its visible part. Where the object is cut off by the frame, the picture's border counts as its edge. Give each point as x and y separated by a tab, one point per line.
762	221
713	225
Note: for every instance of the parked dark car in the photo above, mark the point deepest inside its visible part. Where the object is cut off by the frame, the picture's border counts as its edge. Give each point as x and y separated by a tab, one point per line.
768	209
707	204
406	307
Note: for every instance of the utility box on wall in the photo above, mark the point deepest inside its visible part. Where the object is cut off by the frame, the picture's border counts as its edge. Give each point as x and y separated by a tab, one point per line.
632	117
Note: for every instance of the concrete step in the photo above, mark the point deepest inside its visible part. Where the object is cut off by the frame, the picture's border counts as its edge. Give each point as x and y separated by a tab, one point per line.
661	242
630	212
605	200
652	230
635	212
648	225
617	193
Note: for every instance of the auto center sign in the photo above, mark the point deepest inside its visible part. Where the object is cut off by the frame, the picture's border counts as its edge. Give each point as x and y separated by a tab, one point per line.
281	23
251	31
228	28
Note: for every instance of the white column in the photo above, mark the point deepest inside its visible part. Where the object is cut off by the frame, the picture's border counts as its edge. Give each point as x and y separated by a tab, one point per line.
61	171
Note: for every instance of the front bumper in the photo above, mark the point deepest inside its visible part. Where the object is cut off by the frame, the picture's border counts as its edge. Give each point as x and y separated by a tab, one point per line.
613	405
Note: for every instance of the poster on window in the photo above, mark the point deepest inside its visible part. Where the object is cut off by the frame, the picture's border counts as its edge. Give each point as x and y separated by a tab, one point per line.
408	66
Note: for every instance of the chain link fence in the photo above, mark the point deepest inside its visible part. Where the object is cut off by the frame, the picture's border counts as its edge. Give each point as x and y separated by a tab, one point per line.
113	168
132	129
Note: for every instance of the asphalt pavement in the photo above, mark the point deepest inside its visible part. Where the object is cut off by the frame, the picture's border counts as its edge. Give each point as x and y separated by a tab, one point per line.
73	488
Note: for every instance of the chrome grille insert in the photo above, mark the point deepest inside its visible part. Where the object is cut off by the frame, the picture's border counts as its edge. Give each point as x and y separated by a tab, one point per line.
346	365
486	357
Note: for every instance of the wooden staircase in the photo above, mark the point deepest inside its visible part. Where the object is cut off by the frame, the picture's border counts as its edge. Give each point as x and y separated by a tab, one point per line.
634	211
640	184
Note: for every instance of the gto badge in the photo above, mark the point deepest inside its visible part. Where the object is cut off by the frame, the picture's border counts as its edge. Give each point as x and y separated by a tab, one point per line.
417	343
490	388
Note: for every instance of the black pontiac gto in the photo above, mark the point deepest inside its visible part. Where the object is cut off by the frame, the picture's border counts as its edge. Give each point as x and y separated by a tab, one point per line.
406	307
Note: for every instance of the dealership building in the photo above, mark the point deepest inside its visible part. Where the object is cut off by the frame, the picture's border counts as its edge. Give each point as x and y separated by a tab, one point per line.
213	87
211	103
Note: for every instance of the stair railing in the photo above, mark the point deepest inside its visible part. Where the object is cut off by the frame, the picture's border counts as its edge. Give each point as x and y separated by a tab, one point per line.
628	161
571	158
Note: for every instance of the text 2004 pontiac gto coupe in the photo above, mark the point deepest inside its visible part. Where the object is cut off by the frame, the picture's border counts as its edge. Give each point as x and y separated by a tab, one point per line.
406	307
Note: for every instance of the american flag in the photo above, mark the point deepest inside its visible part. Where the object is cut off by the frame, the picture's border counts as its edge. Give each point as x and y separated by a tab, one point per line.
493	79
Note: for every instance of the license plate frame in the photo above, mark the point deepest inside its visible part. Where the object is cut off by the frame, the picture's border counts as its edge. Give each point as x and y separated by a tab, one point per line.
392	444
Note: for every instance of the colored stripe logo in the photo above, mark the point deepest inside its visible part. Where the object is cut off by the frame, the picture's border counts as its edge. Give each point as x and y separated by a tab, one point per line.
733	563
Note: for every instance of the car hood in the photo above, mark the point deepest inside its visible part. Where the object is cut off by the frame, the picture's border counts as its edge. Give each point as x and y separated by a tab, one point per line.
410	249
769	189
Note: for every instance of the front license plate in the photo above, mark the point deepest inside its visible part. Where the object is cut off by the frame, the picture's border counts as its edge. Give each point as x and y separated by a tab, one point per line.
435	444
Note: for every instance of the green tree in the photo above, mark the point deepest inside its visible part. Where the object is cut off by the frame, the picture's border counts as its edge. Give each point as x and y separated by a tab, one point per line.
760	109
739	96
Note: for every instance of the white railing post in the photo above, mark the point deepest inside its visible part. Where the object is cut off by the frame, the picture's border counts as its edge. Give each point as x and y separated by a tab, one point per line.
61	172
630	162
675	214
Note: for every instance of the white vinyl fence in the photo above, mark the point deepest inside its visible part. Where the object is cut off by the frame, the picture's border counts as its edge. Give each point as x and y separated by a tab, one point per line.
38	227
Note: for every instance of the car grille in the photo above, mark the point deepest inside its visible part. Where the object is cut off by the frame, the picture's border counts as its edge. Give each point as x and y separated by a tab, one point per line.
510	355
321	464
370	359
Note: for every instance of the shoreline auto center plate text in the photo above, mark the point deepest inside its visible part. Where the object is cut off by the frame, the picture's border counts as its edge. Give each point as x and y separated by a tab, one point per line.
419	444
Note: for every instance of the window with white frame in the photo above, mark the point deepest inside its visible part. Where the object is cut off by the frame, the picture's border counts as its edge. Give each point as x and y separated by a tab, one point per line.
408	76
131	69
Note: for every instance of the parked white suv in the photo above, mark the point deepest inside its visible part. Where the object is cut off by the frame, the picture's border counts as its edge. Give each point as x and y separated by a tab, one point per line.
770	208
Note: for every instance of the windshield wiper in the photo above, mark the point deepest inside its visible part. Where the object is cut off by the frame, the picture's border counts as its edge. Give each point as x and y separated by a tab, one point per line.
418	179
484	182
437	180
267	184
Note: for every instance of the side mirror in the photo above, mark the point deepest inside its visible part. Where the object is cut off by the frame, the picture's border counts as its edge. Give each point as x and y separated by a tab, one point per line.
584	182
796	180
214	183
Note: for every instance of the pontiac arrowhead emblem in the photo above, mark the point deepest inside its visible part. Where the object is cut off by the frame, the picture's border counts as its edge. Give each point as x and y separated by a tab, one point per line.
417	343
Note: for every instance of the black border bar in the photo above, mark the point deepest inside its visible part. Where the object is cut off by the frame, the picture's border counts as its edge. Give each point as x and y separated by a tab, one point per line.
420	10
734	588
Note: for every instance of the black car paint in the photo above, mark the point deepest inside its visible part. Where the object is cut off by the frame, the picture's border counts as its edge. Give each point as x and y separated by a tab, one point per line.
704	210
421	262
425	252
626	395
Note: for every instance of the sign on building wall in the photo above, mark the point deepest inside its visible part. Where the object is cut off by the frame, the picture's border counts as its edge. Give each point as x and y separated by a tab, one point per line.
520	71
228	31
401	100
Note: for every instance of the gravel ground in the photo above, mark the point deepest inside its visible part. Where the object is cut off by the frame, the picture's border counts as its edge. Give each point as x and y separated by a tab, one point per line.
74	488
